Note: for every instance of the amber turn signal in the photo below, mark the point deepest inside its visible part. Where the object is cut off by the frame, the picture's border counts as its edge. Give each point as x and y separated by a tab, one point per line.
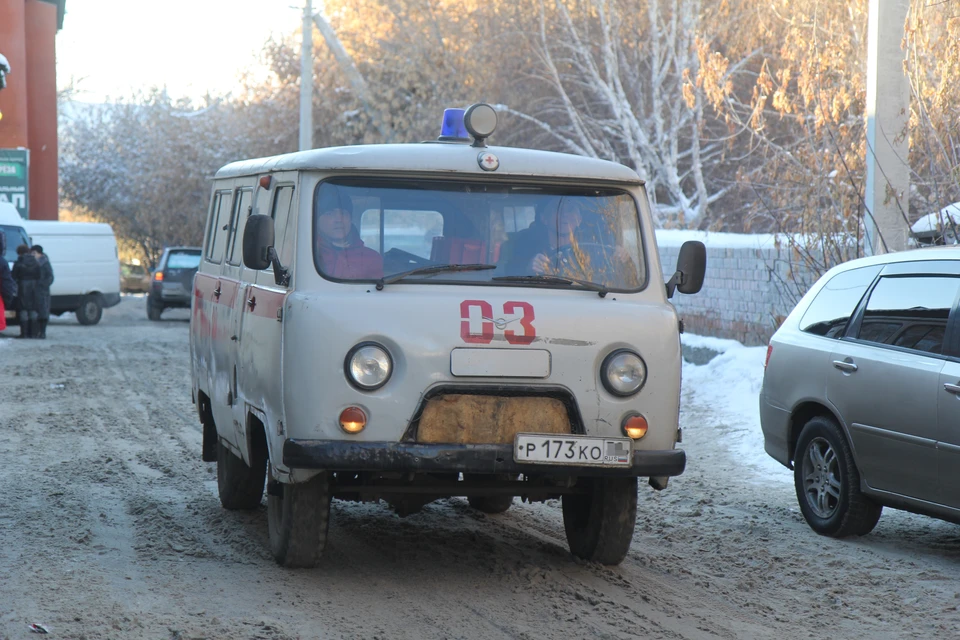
158	276
635	426
353	419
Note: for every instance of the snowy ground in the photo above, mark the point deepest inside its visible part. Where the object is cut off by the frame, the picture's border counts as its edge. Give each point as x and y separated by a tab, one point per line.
111	528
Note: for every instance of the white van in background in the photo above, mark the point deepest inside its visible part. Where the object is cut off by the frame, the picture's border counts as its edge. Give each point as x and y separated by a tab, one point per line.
86	266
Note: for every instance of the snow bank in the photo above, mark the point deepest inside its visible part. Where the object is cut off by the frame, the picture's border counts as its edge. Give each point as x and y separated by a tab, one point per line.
728	389
936	220
676	238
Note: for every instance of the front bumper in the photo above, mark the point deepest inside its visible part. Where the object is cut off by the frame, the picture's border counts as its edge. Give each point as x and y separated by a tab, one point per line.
336	455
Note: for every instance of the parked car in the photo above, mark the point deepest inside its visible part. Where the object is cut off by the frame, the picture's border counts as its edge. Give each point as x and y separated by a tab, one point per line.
861	391
134	278
172	284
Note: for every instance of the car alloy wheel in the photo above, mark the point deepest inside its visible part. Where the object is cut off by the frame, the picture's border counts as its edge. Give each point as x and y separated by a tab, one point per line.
821	478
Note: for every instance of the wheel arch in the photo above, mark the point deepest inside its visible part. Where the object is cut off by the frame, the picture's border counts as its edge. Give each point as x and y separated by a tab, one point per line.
802	414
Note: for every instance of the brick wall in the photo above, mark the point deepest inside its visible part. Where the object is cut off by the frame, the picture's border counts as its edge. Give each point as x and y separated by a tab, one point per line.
750	285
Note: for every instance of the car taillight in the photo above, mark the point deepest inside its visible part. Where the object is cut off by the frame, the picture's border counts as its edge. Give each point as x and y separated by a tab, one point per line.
158	276
769	353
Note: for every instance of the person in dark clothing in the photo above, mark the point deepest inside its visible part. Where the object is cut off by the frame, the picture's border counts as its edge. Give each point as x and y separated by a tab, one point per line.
537	248
46	279
26	271
8	286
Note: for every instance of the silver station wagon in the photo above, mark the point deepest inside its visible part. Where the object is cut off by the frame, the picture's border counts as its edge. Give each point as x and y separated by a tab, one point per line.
861	392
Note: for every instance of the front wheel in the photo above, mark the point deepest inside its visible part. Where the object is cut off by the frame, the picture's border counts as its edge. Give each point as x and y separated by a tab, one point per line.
599	523
298	519
828	483
90	311
240	486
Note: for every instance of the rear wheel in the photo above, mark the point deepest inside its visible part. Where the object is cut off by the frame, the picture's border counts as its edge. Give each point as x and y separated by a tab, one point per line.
153	311
298	519
240	486
828	483
599	523
91	310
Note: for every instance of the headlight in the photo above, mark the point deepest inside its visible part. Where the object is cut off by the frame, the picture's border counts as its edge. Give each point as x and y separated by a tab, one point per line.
623	373
368	366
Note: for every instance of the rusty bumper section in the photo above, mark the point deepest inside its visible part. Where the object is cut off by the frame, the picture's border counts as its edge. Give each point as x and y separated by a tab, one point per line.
335	455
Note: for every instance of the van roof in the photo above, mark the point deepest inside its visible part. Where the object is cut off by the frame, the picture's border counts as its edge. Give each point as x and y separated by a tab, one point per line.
9	214
451	158
46	228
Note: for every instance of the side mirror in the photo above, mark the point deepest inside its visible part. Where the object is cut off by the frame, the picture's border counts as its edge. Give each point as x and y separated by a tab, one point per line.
258	238
691	269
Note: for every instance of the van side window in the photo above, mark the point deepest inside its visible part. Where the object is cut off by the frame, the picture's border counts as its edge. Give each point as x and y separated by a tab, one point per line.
239	218
830	311
282	224
217	233
910	312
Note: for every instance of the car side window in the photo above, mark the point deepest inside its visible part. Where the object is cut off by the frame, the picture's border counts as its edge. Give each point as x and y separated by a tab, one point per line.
910	312
830	311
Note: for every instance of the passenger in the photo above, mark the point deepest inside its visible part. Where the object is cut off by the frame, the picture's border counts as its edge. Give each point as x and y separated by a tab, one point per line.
340	251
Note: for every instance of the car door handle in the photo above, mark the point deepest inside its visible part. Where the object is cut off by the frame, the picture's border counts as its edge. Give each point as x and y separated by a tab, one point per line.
952	388
252	302
216	292
843	365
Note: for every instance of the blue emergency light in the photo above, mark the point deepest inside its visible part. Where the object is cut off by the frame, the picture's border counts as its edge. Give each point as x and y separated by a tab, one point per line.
478	120
453	129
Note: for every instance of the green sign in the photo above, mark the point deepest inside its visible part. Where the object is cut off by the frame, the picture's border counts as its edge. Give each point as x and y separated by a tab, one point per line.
14	179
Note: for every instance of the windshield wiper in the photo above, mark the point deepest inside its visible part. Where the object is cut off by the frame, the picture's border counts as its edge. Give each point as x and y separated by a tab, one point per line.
548	279
436	268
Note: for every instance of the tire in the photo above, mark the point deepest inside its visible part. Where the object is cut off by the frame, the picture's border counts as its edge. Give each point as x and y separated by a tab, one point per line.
298	520
491	504
599	524
828	483
240	486
90	311
153	311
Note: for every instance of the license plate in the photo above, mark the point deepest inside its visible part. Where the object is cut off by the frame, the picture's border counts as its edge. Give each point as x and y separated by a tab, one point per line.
581	451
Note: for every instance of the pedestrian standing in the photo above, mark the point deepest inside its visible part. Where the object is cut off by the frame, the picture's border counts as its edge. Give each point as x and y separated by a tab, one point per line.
8	286
46	279
26	271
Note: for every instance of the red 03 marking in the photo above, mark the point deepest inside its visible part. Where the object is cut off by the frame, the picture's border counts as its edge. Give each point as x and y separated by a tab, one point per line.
524	333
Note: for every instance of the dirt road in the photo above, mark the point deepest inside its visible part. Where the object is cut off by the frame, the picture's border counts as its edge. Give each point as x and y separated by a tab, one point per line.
110	527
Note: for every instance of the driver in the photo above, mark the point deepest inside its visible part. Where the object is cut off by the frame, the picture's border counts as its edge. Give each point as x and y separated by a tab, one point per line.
545	237
340	251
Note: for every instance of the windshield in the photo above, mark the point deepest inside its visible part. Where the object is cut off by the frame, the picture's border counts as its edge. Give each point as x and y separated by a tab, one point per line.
183	260
368	229
13	237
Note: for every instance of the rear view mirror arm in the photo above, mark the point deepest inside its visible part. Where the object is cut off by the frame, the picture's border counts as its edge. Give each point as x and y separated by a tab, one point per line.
281	275
675	280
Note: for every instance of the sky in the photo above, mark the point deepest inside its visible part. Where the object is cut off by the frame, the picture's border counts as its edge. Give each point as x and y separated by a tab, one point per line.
113	48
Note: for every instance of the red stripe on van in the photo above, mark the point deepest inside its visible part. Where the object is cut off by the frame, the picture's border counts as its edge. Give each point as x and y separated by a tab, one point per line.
204	286
266	302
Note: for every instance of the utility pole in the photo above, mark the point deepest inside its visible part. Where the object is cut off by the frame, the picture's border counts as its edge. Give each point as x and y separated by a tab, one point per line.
306	79
886	197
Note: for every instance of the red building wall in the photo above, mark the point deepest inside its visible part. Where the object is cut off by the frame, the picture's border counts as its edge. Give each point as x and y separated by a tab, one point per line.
28	30
40	29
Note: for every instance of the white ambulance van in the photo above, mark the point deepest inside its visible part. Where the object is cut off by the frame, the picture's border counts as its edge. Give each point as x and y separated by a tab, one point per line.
417	321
